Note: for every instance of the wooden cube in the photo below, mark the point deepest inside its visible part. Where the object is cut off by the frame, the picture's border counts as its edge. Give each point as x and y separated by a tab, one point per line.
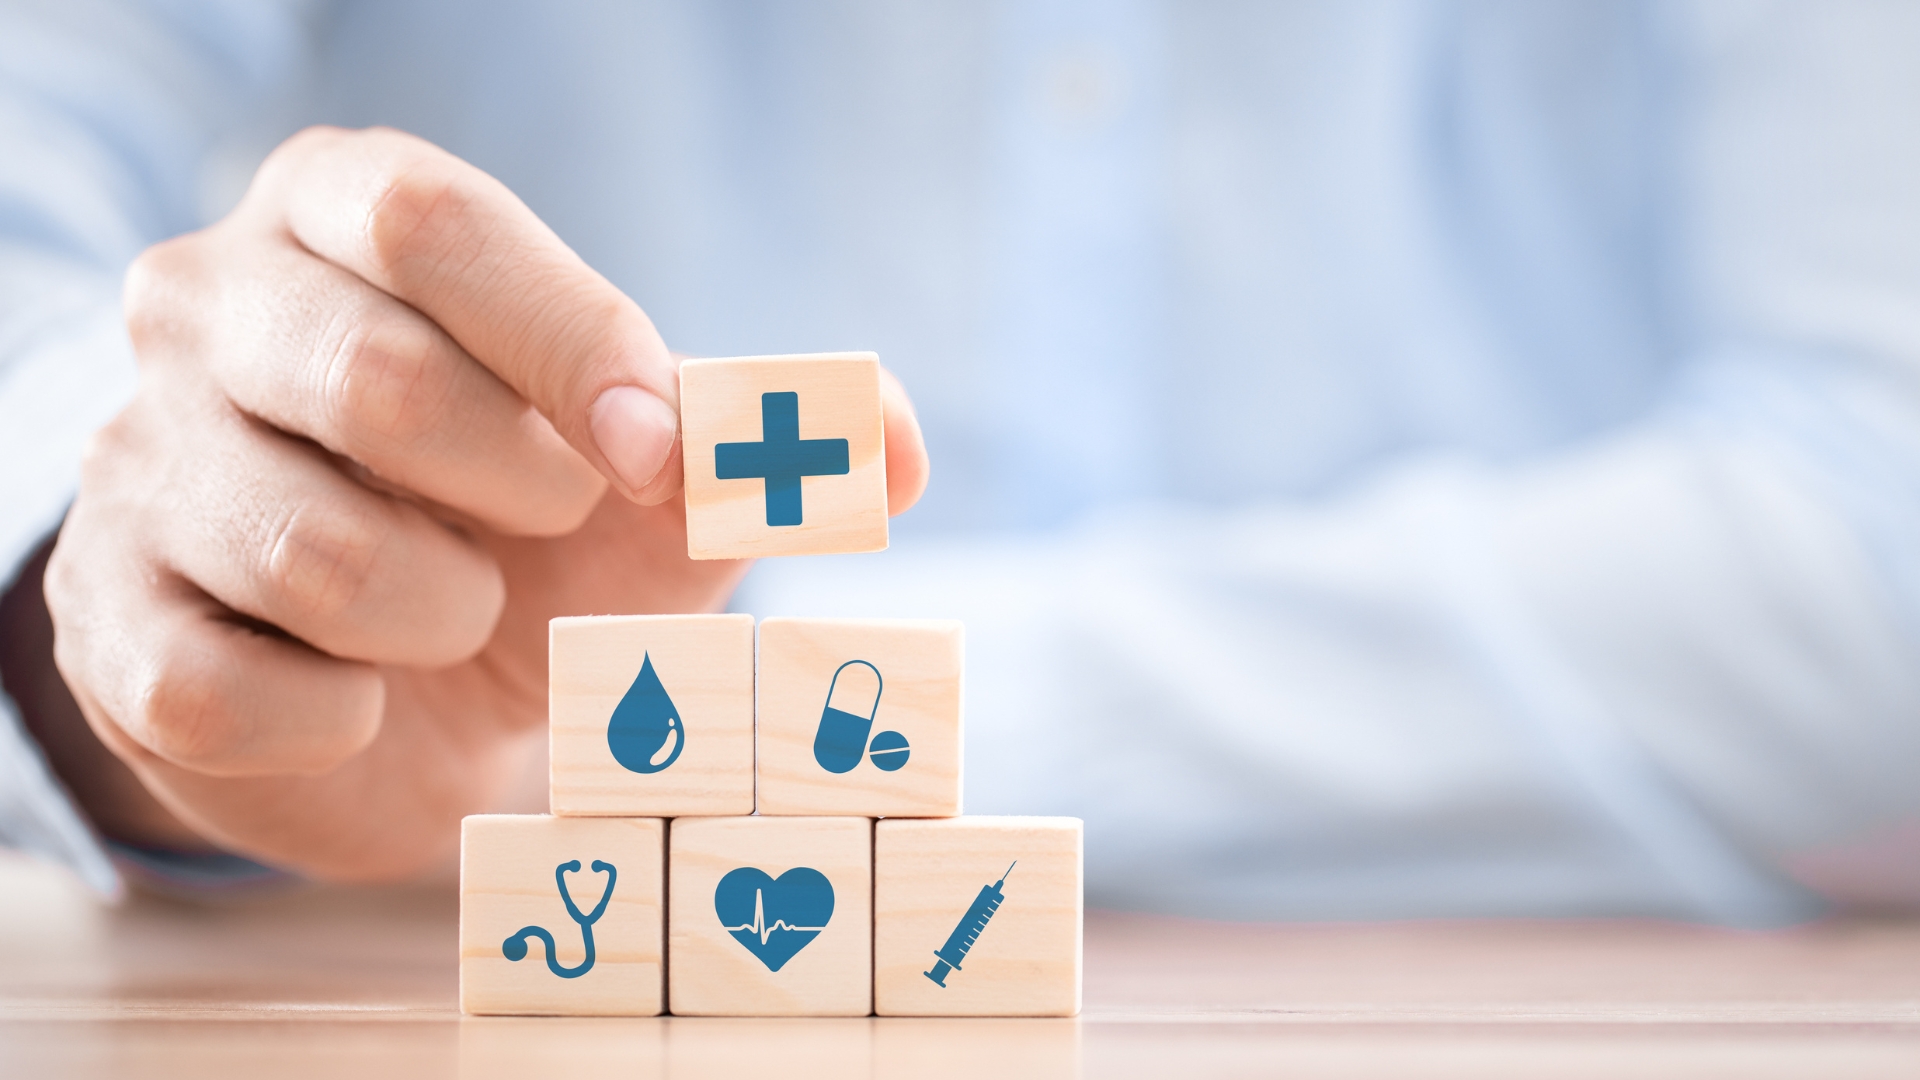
977	916
561	916
651	715
770	916
859	716
785	455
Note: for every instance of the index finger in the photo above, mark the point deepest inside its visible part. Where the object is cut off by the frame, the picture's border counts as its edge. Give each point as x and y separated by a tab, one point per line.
453	242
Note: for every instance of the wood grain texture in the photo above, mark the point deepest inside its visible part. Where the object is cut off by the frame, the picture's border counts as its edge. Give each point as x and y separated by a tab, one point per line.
712	974
1025	962
920	663
507	866
839	398
705	662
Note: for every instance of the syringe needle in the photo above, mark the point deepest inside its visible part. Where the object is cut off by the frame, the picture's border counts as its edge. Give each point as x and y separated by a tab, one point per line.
1003	877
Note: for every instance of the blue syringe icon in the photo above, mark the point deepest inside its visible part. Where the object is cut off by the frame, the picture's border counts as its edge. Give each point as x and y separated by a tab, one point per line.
964	935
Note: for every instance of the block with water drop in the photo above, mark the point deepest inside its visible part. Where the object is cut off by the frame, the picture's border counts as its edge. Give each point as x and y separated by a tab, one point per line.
977	916
562	916
859	716
651	715
770	916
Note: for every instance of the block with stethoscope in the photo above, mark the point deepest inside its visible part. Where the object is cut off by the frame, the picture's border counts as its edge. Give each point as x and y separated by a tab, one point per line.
767	828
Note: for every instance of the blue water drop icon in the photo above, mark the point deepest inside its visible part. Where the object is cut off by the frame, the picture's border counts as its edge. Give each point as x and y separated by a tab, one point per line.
645	732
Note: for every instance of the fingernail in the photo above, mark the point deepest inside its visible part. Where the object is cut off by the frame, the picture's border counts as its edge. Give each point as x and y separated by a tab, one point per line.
634	431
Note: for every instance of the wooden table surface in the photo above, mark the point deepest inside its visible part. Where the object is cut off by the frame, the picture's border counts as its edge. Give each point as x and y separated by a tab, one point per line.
361	982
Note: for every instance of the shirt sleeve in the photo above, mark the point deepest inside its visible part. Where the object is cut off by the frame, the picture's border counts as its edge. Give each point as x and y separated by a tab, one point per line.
1660	672
107	111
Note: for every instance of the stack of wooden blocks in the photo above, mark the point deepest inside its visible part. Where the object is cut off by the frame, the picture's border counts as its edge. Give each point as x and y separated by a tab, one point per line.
770	827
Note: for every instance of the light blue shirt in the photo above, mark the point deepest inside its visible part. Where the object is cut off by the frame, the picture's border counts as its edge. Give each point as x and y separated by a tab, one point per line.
1392	458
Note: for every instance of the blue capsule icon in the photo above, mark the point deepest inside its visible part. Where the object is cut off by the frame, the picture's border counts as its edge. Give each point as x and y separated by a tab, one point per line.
853	700
853	697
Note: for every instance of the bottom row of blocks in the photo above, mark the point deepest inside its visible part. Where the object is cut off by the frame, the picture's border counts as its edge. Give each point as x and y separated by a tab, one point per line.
770	916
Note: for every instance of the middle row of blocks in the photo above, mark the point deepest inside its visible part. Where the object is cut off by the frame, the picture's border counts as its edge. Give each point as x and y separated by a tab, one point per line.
661	716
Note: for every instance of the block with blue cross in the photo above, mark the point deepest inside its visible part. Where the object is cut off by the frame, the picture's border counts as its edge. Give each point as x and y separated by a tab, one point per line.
781	457
784	455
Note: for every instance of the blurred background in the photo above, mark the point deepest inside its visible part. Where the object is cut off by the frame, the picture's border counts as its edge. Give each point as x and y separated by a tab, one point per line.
1393	458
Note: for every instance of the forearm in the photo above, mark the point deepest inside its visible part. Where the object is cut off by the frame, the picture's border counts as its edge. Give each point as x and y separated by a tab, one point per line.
106	790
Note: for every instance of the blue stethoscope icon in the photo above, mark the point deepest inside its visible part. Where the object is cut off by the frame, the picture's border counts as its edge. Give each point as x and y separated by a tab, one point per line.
515	947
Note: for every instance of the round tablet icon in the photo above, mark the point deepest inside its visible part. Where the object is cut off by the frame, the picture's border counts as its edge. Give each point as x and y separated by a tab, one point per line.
888	750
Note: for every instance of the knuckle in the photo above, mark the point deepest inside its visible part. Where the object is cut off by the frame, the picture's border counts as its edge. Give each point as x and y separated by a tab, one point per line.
322	561
119	475
295	152
309	140
147	295
61	585
104	450
415	219
388	387
184	715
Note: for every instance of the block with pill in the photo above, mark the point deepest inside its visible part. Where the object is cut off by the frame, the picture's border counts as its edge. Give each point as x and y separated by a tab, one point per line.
859	716
650	715
770	916
562	916
784	455
977	916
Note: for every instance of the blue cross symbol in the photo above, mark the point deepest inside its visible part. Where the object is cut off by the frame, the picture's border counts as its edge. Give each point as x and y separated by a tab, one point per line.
781	458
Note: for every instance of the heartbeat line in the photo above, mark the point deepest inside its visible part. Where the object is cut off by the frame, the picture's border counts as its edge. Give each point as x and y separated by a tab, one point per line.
759	924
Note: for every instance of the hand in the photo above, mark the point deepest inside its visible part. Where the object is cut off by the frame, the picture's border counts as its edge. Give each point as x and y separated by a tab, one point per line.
303	592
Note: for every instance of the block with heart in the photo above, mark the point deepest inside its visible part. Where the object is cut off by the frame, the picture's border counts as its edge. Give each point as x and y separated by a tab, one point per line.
650	715
770	916
784	455
561	916
859	716
977	916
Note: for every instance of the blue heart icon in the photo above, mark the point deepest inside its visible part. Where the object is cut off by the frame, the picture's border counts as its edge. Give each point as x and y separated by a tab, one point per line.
774	917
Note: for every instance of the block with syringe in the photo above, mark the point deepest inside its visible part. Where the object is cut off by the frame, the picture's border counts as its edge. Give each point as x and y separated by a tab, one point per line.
716	797
1012	949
